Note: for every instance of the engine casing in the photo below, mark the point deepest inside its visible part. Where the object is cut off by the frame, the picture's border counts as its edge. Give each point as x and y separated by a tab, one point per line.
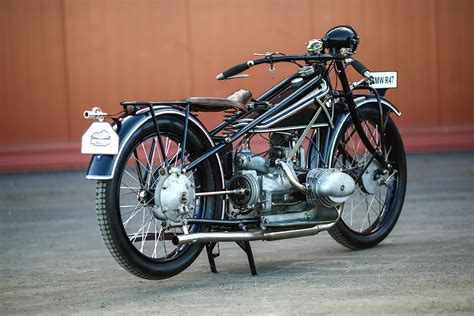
268	190
261	191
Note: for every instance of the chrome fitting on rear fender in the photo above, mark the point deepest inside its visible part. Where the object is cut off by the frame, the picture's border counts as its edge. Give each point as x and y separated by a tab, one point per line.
95	113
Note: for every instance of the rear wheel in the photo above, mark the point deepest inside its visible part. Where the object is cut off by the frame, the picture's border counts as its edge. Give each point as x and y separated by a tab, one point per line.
138	240
372	211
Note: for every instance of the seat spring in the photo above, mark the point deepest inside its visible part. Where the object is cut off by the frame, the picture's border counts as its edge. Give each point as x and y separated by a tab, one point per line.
230	114
237	125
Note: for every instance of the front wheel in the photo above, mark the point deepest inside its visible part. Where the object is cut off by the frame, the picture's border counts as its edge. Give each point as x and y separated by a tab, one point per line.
135	236
372	211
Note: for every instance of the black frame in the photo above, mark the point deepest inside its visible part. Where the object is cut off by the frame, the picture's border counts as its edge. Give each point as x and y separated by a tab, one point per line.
319	61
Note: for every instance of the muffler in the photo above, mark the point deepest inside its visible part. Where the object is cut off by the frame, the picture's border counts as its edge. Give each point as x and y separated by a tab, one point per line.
248	236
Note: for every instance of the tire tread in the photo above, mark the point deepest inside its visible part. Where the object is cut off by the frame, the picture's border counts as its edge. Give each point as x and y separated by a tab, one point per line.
106	233
336	235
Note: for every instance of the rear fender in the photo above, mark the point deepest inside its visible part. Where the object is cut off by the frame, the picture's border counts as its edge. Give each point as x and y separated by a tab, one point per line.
102	167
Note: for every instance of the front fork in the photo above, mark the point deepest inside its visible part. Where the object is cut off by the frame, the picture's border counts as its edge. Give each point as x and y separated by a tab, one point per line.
377	153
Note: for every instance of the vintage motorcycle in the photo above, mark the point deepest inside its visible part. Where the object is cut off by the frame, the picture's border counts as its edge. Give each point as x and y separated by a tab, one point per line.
302	158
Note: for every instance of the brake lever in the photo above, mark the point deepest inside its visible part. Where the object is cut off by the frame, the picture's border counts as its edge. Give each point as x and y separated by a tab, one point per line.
362	81
355	84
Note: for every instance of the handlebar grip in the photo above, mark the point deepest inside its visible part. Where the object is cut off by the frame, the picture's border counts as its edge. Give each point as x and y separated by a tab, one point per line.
360	68
234	70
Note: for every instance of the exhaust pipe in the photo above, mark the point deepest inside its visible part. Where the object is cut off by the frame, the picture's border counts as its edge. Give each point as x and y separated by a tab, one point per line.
291	177
249	236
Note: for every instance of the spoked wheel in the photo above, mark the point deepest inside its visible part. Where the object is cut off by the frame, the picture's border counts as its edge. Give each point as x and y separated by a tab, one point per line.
131	207
372	211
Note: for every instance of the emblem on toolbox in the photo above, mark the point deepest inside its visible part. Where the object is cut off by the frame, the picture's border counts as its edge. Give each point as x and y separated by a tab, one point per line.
101	138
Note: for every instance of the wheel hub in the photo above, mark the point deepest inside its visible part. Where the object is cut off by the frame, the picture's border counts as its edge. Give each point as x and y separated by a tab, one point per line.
371	180
174	196
145	197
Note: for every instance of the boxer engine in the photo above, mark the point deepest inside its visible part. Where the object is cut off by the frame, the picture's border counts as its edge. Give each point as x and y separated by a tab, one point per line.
281	189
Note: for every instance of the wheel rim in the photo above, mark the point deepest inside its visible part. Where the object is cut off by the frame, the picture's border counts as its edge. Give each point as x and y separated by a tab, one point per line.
137	181
368	207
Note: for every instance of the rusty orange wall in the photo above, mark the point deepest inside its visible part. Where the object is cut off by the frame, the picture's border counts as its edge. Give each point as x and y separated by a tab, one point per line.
59	57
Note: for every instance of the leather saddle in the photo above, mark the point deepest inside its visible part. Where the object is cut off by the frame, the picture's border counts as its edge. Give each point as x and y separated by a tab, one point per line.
237	100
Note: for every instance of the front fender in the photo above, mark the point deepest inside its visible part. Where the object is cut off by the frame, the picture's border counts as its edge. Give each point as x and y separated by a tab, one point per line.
102	167
363	101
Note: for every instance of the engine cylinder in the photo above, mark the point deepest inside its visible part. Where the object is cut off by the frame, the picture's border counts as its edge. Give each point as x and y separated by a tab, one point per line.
328	187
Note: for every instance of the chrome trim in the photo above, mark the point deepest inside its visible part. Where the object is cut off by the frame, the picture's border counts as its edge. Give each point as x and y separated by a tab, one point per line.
297	91
287	128
239	76
306	71
321	91
96	113
92	177
249	236
236	191
360	101
277	87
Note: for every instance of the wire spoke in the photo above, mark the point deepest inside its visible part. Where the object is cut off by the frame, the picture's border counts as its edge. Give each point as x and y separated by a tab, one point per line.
134	237
157	238
130	175
137	209
367	215
134	213
146	234
363	211
136	198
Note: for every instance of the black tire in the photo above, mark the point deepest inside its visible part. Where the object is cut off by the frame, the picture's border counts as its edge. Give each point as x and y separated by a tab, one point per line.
389	197
145	249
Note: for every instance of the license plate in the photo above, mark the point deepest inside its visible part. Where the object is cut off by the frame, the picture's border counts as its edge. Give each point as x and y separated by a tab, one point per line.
384	80
100	139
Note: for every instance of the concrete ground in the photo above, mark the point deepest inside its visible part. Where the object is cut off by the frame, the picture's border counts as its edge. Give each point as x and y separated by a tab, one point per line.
53	260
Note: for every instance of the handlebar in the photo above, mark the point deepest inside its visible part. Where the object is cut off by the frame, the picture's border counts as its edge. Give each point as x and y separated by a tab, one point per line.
358	66
234	70
273	60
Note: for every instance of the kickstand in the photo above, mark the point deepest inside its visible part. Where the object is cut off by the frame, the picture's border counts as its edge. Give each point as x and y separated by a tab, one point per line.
245	245
210	255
